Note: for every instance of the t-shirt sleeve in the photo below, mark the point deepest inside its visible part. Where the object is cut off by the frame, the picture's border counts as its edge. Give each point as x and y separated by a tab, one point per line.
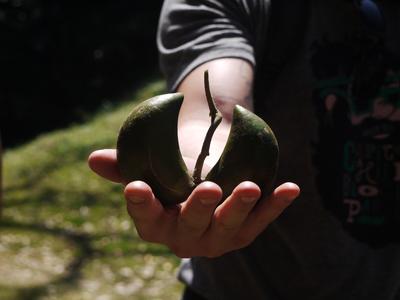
191	33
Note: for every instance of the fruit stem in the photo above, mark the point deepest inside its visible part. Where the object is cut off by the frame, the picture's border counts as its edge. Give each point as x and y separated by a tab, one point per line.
216	119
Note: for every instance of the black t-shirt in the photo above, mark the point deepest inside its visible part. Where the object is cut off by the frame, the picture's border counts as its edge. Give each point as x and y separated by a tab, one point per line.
334	106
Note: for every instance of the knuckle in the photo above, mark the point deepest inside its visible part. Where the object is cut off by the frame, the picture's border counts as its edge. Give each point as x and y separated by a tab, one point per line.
225	226
190	225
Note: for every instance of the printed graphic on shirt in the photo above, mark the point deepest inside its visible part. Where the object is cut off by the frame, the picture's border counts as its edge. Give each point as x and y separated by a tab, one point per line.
357	154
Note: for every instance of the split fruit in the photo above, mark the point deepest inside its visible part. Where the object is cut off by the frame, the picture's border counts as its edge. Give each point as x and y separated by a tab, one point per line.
148	150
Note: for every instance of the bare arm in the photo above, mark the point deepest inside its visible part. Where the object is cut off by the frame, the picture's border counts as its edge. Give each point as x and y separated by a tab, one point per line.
230	83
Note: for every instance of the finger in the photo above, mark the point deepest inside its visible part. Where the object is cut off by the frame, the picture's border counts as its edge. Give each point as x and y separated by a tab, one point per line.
271	208
146	211
197	211
104	163
230	215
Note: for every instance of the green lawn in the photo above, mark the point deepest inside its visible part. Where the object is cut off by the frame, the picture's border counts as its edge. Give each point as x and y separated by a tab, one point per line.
65	233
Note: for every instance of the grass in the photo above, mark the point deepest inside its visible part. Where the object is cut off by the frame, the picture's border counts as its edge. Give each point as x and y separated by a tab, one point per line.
65	233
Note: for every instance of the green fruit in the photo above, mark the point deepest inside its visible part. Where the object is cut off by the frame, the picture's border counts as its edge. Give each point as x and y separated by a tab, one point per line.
251	153
148	150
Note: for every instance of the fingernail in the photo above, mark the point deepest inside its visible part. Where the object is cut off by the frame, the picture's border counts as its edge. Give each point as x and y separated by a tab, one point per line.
136	200
208	201
248	199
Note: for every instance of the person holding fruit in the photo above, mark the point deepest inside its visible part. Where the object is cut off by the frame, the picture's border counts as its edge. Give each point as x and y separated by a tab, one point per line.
330	90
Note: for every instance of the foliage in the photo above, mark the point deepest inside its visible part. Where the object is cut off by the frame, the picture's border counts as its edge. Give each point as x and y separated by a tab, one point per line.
71	56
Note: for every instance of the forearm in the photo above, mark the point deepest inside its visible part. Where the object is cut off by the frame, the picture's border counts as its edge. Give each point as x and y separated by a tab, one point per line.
230	83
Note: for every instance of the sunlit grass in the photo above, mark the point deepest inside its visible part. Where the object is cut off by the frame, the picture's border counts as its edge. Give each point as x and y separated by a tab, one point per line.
71	225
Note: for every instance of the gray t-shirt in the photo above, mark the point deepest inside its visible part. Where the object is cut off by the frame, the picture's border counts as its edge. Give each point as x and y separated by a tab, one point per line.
334	106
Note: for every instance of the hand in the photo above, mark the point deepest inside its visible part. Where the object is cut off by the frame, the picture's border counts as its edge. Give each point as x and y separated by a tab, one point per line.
198	226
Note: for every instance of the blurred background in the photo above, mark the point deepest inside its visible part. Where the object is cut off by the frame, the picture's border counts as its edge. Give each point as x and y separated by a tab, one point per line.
60	60
69	75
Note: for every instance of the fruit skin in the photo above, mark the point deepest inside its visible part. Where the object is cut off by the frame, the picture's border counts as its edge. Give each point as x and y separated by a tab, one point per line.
251	153
148	150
